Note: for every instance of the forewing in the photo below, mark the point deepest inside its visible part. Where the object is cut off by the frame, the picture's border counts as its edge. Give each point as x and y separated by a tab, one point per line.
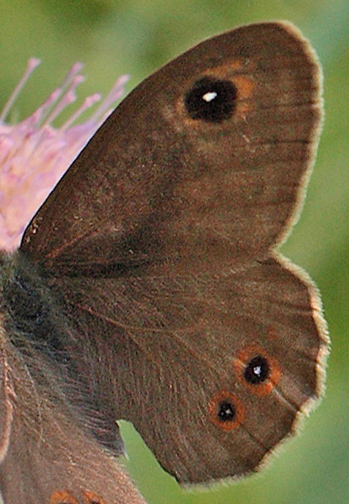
160	182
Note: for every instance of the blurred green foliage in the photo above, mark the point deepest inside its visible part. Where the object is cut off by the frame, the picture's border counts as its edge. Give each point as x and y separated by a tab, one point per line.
133	36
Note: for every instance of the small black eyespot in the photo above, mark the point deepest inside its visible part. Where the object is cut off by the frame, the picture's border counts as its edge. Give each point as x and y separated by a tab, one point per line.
211	100
226	411
257	371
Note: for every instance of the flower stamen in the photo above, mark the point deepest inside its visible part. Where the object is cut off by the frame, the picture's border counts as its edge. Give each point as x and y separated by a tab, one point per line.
34	154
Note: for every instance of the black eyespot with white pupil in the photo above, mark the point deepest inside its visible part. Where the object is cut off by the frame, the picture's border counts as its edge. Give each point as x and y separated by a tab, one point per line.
226	411
211	100
257	370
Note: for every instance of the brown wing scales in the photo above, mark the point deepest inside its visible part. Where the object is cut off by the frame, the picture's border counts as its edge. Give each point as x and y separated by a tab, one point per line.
185	319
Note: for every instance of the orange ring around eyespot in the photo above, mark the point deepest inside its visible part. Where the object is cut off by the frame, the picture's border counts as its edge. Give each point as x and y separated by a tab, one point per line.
92	498
62	497
258	389
239	409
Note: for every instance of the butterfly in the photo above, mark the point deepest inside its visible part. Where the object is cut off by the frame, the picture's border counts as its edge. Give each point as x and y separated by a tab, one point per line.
148	287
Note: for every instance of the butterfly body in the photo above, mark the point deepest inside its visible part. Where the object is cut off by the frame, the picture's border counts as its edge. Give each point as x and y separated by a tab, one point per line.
148	287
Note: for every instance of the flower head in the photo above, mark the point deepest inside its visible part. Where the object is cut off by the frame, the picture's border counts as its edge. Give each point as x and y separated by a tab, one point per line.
34	154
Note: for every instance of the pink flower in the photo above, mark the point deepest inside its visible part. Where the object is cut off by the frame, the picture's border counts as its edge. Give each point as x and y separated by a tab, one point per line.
34	154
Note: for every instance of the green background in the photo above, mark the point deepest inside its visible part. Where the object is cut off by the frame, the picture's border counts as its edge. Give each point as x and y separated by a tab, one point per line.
136	37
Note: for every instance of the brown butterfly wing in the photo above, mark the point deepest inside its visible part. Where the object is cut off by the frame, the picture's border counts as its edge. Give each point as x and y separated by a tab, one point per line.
180	349
155	185
46	456
161	238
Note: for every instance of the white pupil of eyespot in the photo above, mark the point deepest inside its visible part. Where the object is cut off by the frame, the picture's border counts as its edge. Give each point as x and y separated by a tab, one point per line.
257	370
208	97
